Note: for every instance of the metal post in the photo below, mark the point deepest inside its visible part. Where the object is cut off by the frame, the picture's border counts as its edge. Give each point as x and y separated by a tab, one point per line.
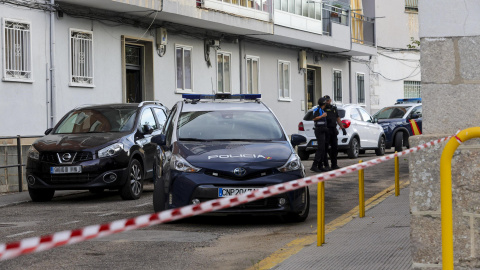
397	176
320	213
361	192
19	159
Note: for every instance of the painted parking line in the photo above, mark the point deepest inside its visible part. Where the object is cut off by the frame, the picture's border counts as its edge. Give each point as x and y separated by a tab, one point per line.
70	222
143	204
18	234
108	214
298	244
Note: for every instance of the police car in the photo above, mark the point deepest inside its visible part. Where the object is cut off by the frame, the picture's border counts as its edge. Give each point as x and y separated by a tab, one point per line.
400	121
222	145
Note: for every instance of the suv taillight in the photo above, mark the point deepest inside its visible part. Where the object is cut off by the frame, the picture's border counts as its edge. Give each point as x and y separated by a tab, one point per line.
346	123
300	126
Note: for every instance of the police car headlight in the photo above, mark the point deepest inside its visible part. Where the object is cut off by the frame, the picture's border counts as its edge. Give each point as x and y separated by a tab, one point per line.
33	153
180	164
111	150
292	164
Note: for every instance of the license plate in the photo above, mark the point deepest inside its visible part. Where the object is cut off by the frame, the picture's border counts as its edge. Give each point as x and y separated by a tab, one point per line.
314	143
66	169
228	192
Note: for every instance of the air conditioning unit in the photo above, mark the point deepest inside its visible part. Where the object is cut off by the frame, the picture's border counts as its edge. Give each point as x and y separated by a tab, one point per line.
162	36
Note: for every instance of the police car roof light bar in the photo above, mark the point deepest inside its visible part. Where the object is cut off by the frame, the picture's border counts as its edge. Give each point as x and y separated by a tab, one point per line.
408	100
222	96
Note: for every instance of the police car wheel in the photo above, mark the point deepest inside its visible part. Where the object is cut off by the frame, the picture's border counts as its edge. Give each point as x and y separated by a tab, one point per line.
159	195
399	142
301	216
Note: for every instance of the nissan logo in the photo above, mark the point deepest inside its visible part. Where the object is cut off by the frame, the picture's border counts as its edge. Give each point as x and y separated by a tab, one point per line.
239	171
66	157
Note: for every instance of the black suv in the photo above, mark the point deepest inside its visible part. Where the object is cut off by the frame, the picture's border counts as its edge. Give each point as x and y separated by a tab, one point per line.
96	147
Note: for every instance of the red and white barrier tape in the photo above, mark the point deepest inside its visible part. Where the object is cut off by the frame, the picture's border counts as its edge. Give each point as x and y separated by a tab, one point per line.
36	244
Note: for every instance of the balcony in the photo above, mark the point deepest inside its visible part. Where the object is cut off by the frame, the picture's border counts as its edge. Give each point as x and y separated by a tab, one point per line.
363	29
255	9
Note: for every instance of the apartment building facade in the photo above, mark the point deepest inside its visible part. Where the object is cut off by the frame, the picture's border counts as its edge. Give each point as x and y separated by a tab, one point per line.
57	55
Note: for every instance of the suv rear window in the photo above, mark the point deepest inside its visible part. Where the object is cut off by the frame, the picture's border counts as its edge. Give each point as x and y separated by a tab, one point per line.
309	115
229	126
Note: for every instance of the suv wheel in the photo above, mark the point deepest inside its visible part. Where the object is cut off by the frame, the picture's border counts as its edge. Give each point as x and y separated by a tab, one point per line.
303	154
380	151
399	142
354	149
134	185
41	195
302	216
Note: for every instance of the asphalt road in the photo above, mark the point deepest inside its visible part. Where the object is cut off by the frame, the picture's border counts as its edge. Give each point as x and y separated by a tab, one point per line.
232	242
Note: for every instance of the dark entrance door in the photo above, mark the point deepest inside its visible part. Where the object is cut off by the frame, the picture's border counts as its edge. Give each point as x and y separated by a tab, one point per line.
310	88
134	87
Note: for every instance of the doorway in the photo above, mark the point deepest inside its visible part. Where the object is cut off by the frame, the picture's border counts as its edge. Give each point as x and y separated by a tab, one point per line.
133	66
313	89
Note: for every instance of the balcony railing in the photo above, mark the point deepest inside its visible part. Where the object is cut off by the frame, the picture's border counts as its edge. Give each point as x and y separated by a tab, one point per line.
363	29
261	5
333	14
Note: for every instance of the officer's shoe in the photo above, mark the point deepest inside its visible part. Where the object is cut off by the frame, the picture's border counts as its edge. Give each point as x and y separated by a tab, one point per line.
335	167
327	168
314	167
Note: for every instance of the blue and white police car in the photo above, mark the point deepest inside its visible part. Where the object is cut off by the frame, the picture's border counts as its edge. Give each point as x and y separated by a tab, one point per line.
222	145
400	121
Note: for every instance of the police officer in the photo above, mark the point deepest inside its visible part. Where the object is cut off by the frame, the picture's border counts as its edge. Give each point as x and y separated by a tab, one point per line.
320	128
331	135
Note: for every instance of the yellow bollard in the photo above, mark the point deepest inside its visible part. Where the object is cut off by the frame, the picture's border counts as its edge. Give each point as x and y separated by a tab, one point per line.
361	192
320	213
446	192
397	176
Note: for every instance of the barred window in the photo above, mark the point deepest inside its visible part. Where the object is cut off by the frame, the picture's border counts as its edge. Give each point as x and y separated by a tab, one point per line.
361	88
337	85
411	5
223	72
17	50
253	71
183	62
412	89
283	80
81	58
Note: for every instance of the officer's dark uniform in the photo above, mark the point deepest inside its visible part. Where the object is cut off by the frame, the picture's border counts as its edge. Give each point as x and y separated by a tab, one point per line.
331	136
320	128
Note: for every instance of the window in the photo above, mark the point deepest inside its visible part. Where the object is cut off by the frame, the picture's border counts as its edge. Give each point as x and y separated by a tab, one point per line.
81	58
183	61
416	110
283	80
337	85
17	51
223	72
147	119
355	115
161	117
168	128
411	89
361	88
253	71
411	5
366	117
312	9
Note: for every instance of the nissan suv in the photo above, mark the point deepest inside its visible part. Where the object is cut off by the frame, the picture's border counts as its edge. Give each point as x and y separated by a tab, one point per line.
95	148
221	145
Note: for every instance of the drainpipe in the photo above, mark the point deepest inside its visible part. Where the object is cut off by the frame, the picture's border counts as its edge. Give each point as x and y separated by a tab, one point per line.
52	64
240	50
350	80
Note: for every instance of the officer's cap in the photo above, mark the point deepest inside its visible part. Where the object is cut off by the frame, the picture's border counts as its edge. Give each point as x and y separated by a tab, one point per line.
327	97
321	101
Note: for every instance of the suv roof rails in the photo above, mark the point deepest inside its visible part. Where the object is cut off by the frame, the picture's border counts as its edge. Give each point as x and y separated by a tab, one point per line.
194	98
149	102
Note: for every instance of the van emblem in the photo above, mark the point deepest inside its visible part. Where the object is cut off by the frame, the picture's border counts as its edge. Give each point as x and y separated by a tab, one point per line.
239	171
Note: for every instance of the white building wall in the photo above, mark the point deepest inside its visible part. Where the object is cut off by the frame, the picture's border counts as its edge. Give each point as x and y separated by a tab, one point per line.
24	105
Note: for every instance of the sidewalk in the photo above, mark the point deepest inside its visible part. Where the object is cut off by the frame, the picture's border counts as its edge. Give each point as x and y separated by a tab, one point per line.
380	240
13	198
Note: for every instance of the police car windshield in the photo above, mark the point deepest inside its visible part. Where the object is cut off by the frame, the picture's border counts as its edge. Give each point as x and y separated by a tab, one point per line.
391	112
229	126
98	120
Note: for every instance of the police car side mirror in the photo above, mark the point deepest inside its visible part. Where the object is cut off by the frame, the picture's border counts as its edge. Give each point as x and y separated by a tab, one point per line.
297	139
160	140
414	116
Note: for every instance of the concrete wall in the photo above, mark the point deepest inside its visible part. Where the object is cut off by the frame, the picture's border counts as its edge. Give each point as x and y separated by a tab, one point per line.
449	62
26	103
9	176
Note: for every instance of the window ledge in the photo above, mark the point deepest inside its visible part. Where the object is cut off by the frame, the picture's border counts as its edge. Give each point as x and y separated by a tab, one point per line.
285	99
181	91
81	85
17	80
